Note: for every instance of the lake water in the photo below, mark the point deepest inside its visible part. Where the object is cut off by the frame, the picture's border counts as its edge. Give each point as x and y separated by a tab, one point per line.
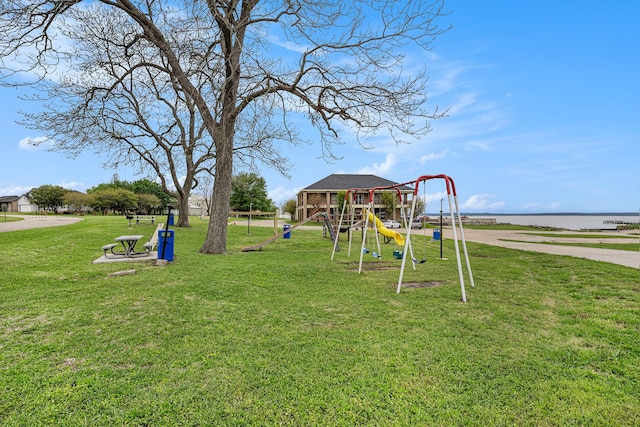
568	221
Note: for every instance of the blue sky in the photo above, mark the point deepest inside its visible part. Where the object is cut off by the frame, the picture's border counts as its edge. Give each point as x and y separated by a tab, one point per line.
544	117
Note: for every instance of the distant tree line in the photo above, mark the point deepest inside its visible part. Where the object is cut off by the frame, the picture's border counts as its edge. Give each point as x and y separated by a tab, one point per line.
120	197
249	192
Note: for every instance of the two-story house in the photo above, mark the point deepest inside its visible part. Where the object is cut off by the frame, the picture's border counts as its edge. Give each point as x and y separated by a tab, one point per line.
324	194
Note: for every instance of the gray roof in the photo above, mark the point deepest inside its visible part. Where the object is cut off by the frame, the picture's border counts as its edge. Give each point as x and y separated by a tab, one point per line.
8	199
345	181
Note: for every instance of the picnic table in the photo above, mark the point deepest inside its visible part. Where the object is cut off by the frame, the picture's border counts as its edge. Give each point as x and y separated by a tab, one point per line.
128	246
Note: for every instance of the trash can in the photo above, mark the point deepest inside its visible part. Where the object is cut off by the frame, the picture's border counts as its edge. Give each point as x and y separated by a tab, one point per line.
436	234
165	245
170	219
287	234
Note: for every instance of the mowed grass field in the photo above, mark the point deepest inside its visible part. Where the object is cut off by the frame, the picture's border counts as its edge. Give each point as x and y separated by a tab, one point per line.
285	336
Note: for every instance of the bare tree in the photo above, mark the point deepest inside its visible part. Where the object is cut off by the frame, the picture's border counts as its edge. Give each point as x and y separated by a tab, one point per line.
119	98
238	73
204	189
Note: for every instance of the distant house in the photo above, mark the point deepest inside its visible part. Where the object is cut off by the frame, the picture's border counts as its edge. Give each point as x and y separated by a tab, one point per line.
9	203
25	205
324	194
17	204
198	205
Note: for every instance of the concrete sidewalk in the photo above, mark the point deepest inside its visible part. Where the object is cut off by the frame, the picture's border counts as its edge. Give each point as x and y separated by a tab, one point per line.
528	241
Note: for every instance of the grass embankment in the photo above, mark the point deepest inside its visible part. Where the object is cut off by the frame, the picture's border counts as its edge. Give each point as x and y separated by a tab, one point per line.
625	242
628	242
633	247
285	336
9	218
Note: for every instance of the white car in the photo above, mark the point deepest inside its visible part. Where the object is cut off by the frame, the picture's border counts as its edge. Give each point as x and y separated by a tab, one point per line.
391	224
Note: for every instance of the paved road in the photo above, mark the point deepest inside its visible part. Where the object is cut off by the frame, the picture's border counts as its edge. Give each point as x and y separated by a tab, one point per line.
534	242
36	221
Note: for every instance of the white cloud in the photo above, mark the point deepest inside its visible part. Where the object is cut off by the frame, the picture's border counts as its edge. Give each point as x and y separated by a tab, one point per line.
19	190
434	198
35	144
279	195
14	190
381	169
434	156
478	146
73	185
287	44
482	201
530	205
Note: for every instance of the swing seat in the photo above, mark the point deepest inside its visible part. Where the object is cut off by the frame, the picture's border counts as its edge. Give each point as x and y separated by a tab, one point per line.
375	255
365	251
398	254
422	261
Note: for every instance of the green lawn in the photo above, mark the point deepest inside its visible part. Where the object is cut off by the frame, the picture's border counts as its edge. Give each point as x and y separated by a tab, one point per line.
285	336
5	218
626	242
622	246
588	236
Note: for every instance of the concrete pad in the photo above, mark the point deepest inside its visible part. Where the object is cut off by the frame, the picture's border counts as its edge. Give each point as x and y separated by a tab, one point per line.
152	256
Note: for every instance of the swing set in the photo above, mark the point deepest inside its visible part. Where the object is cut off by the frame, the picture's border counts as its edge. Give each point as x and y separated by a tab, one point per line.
376	225
365	219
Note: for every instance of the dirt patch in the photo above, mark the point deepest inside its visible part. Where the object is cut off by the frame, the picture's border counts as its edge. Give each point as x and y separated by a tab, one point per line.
376	268
422	284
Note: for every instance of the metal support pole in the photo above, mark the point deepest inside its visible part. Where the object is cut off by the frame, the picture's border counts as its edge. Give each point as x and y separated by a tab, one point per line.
441	231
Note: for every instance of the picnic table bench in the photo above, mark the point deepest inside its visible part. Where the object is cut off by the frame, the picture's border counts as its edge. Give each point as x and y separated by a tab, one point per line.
139	218
153	242
129	245
108	247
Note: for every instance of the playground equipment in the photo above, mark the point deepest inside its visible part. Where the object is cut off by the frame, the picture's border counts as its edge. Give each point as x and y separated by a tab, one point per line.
408	248
366	220
385	231
400	241
314	214
451	190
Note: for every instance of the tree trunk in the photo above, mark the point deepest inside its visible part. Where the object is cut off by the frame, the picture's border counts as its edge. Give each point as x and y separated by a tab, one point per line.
216	241
183	211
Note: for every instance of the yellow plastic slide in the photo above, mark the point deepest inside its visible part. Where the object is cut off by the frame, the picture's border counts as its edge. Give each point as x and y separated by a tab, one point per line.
399	238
